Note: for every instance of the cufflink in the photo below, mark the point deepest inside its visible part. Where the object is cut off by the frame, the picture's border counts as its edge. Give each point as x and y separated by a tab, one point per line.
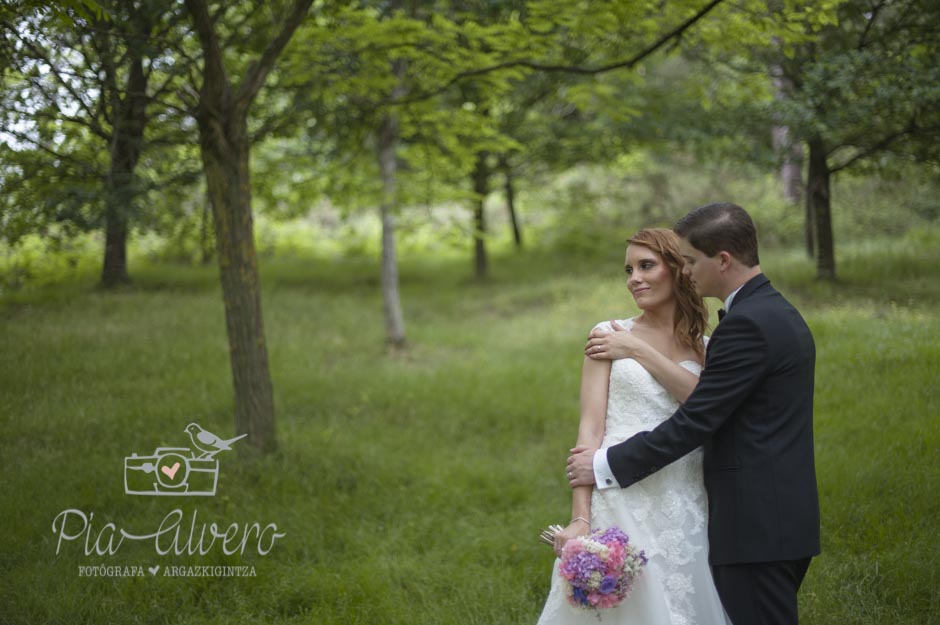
609	481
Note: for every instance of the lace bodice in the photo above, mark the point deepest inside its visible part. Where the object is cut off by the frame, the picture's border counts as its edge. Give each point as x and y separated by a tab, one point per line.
635	400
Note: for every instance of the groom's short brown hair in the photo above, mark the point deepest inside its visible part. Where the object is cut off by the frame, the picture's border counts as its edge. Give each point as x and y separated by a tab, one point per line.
721	227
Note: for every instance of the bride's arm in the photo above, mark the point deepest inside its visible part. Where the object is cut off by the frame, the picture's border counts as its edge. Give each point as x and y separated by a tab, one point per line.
676	379
595	378
679	381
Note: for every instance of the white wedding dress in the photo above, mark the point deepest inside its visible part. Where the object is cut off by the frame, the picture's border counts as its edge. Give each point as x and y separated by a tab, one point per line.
665	515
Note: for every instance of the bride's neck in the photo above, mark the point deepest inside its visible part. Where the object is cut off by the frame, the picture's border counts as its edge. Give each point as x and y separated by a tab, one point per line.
659	318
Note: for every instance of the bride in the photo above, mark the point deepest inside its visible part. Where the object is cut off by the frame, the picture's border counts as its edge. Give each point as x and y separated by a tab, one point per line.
665	514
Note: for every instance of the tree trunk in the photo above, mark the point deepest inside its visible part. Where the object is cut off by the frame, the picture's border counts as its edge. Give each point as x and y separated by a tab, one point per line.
809	229
224	143
130	120
481	189
386	144
205	241
114	268
225	146
510	201
789	151
819	199
790	154
791	176
791	171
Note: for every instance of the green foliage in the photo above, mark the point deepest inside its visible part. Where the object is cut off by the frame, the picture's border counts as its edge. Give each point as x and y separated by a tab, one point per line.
869	82
64	92
578	209
469	86
337	76
754	28
51	260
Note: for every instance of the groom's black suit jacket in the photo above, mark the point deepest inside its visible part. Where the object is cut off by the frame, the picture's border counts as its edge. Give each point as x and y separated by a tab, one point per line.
752	411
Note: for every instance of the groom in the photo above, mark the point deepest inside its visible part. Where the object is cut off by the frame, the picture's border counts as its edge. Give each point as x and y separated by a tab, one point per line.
752	411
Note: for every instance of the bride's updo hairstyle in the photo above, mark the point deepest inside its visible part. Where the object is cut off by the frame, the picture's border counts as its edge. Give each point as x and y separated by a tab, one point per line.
691	313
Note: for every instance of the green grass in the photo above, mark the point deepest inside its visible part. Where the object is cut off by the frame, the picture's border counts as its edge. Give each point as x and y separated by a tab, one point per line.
412	486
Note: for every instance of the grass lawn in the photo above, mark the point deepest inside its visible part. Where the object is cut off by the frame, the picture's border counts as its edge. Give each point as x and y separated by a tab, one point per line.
411	487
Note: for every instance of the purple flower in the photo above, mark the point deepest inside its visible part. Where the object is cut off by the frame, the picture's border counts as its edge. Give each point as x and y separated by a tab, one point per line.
608	585
580	596
581	566
613	534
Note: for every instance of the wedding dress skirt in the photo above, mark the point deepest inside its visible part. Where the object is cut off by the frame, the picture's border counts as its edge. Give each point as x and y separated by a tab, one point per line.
664	514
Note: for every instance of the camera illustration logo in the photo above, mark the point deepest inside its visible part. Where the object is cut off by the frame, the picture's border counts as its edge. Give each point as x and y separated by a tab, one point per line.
178	471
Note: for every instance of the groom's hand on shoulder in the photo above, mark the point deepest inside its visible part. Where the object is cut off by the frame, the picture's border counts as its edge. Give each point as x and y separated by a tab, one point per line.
615	345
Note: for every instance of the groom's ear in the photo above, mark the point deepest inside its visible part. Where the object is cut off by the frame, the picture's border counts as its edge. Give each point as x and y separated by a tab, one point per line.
724	260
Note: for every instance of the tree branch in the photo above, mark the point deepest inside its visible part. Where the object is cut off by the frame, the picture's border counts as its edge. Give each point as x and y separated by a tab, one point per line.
40	54
880	145
82	164
214	76
185	177
59	116
164	87
572	69
875	9
258	70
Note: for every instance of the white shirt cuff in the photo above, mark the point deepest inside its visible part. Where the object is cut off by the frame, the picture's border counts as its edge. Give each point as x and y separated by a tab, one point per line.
602	473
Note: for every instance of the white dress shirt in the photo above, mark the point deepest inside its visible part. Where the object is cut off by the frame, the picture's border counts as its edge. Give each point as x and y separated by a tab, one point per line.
730	297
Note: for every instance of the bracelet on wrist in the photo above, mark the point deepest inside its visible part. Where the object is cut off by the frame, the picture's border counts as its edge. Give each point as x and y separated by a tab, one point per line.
580	518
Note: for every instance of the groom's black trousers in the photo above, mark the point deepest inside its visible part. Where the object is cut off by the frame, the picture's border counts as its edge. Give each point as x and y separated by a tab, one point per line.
763	593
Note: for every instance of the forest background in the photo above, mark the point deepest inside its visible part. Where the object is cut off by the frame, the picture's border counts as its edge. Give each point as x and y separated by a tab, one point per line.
429	201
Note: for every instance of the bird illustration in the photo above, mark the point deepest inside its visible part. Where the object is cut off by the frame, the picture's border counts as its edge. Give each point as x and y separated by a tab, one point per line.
207	442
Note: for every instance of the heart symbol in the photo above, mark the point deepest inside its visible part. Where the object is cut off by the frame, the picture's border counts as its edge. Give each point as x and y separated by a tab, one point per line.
171	472
153	569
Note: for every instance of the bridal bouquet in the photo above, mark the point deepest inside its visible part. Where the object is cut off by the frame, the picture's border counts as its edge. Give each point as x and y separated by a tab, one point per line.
599	569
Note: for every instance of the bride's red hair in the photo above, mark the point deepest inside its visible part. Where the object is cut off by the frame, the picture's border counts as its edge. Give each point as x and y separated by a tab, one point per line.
691	313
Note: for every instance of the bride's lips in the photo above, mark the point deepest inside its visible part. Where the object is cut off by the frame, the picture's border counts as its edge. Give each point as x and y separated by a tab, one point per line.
640	290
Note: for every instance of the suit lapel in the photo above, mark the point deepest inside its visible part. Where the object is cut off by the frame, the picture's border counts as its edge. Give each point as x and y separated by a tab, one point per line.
746	290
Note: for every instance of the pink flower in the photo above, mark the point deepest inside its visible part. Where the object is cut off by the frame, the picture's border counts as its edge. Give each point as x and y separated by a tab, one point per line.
572	548
608	601
616	557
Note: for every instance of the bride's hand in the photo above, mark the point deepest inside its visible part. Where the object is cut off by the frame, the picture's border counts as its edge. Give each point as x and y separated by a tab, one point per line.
575	528
621	343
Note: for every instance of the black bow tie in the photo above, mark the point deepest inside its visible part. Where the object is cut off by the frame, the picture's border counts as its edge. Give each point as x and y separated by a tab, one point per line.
721	314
